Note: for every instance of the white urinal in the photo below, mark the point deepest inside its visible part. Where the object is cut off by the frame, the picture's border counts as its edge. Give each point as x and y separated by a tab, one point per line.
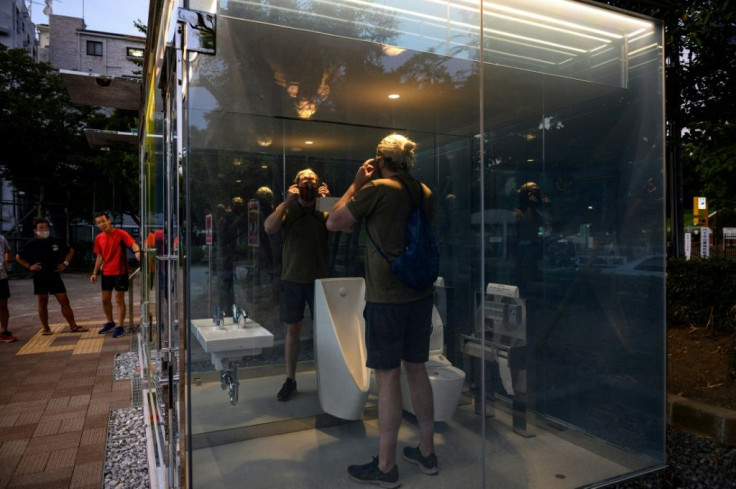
343	380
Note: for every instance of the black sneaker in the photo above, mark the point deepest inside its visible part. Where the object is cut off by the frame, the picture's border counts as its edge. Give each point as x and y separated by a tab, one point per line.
287	390
371	474
107	327
6	333
427	464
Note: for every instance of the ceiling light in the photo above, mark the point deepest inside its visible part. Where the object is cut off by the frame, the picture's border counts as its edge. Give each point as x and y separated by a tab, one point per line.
308	142
394	96
391	50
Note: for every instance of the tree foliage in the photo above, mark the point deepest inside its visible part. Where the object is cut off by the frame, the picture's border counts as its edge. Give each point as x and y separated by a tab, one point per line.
700	48
46	155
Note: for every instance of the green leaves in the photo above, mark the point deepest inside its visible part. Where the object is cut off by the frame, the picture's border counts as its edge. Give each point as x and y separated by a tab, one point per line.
46	154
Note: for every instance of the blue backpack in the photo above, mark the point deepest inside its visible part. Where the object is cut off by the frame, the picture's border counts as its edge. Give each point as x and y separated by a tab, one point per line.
419	265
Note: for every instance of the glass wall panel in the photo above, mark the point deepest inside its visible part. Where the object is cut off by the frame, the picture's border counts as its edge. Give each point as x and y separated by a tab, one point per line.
574	212
289	90
539	131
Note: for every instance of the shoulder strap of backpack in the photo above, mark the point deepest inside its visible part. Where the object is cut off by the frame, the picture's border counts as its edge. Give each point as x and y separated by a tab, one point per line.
378	248
414	207
411	199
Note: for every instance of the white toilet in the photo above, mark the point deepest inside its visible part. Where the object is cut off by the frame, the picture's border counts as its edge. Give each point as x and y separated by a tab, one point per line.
447	381
343	380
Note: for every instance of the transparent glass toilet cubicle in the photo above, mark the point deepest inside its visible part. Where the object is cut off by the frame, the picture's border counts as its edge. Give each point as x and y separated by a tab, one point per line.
544	152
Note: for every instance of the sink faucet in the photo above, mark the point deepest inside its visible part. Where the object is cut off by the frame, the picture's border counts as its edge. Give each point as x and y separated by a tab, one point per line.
218	316
238	314
243	316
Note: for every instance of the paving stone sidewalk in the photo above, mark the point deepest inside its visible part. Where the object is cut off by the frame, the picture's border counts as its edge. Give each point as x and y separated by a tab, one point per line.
57	391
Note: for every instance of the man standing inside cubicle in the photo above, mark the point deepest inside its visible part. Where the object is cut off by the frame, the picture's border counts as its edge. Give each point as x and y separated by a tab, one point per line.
398	318
304	259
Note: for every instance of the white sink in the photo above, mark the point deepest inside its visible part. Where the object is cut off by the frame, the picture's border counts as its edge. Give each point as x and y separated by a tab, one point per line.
230	342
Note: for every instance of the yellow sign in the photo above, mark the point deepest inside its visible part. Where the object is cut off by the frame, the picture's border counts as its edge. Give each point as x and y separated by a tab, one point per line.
700	211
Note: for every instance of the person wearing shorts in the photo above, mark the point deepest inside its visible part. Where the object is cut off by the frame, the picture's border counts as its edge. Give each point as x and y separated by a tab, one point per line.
47	257
398	318
5	254
304	259
110	247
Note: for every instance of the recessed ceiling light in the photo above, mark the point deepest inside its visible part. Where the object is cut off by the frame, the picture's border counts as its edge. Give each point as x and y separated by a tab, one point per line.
391	50
394	96
308	142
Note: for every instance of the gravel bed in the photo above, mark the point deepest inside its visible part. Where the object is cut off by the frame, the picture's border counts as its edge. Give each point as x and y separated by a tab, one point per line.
126	365
126	458
693	463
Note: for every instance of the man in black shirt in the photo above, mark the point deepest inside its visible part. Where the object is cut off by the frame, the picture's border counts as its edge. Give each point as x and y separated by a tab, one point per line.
47	257
304	259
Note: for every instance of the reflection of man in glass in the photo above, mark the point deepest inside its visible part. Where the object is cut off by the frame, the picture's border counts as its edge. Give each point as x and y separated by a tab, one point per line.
228	224
304	259
264	196
531	222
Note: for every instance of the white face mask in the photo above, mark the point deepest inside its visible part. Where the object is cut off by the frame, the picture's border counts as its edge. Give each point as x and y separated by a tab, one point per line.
43	234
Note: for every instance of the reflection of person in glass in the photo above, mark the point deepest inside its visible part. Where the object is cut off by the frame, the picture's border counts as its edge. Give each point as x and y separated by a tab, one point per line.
304	259
398	318
228	223
264	196
531	222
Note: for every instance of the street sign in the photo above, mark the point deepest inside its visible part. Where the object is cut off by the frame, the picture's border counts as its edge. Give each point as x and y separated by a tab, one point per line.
208	229
700	211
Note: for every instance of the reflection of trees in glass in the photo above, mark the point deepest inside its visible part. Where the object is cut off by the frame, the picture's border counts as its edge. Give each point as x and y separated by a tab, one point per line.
598	161
265	69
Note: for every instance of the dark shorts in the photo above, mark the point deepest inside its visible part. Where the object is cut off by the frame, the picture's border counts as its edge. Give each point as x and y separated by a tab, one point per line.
293	298
48	284
4	289
117	282
395	332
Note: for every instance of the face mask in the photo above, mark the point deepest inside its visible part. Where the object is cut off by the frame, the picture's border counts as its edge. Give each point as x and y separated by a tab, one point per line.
43	234
307	193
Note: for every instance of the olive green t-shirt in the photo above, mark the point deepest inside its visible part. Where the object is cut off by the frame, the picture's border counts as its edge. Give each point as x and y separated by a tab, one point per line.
385	206
305	252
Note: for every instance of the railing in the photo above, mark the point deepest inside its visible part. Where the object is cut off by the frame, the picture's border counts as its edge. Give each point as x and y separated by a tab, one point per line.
131	286
723	249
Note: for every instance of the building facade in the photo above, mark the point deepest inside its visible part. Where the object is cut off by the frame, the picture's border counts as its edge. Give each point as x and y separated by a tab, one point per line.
16	28
68	45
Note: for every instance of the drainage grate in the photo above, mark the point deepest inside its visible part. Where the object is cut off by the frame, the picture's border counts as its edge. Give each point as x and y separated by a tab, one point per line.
134	342
137	389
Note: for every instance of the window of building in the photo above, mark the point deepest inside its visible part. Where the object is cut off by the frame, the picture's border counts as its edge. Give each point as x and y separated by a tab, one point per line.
94	48
135	53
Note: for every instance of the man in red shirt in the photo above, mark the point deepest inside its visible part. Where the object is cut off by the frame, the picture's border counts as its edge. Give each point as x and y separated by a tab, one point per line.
110	246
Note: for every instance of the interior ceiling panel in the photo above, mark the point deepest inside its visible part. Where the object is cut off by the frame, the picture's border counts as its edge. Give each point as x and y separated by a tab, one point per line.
101	91
270	71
